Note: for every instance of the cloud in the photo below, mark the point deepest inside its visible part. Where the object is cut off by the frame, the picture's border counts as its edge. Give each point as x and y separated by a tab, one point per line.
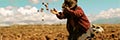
27	10
29	15
12	11
110	13
53	0
6	12
26	15
106	14
9	7
51	18
49	1
34	1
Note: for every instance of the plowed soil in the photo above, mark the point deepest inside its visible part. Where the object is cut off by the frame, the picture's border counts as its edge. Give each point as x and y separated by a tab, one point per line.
53	32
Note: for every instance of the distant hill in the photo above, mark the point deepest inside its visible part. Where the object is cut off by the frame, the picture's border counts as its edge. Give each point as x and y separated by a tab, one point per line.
115	20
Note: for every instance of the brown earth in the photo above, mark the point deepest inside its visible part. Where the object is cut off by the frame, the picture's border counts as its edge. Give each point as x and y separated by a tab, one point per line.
52	32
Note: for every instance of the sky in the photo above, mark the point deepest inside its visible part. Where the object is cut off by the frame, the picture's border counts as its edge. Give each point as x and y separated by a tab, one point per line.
89	6
21	11
95	6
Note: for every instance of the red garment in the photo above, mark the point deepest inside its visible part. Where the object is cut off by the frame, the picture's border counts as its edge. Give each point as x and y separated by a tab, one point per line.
76	19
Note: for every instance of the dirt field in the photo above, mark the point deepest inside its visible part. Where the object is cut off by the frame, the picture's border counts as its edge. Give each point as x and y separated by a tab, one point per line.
52	32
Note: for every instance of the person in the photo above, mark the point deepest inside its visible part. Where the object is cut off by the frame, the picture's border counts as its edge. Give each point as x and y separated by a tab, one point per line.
77	21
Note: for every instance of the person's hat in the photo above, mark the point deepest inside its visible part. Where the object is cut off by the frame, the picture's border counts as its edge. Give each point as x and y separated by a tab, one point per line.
70	3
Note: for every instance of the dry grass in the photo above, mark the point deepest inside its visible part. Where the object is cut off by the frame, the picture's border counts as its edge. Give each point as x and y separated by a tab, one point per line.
52	32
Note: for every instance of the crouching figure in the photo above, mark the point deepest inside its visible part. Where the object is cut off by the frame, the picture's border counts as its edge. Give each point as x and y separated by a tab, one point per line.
77	21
